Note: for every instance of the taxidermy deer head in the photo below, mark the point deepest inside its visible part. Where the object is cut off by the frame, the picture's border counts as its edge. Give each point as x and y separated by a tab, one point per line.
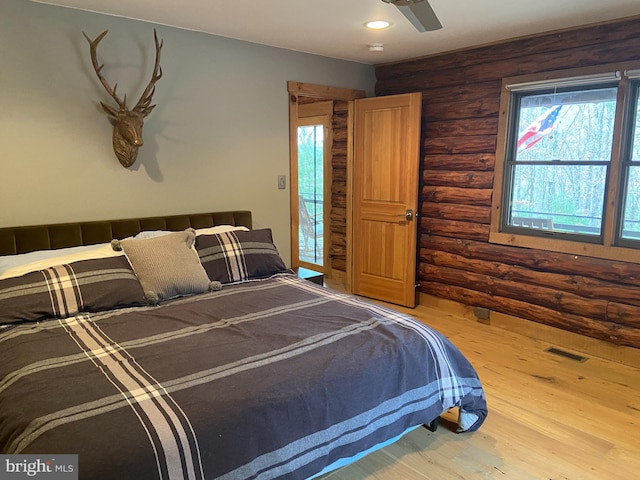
127	127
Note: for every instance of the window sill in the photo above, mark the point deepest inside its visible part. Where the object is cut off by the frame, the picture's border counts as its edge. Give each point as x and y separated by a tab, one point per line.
566	246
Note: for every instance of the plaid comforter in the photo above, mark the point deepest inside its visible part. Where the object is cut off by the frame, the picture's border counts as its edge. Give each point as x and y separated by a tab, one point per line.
268	379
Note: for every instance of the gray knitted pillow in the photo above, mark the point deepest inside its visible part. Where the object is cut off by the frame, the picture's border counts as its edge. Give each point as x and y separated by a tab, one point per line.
166	266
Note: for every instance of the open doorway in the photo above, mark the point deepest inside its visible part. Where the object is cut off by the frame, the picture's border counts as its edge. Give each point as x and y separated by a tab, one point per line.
319	120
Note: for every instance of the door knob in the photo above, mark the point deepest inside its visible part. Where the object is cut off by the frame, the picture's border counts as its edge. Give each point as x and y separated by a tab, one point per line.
408	215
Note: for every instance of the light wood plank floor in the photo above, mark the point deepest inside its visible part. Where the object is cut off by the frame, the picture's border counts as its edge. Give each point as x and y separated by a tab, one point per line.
550	417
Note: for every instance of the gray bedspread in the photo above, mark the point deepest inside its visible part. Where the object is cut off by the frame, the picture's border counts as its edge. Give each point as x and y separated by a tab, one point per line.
266	379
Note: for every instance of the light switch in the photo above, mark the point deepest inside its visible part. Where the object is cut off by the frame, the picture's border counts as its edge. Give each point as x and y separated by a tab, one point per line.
282	182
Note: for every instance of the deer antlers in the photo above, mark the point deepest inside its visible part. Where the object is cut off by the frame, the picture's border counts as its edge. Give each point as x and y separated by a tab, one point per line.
127	129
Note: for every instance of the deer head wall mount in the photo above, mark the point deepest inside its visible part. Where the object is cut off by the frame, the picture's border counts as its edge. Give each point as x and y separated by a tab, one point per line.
127	128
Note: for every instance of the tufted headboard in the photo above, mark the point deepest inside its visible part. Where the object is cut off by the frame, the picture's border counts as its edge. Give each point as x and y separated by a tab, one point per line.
44	237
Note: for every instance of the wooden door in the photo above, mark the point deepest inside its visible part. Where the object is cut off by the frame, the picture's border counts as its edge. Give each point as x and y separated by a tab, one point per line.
385	174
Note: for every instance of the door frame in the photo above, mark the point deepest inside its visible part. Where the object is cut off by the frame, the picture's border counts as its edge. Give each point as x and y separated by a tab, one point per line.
320	92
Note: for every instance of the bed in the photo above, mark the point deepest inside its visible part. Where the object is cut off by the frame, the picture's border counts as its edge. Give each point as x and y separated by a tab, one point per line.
182	347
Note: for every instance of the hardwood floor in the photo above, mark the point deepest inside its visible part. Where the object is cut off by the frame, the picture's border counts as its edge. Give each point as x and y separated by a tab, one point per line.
550	416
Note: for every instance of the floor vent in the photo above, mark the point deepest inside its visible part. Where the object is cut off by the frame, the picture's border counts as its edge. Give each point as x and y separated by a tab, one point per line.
569	355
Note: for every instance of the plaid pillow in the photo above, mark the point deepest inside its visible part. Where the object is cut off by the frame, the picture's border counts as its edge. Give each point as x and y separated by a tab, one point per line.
237	256
65	290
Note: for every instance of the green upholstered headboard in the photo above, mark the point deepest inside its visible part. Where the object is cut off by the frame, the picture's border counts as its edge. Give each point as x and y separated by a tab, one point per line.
44	237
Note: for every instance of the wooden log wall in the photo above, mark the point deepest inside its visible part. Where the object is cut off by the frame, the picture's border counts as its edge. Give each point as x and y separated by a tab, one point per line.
461	98
338	223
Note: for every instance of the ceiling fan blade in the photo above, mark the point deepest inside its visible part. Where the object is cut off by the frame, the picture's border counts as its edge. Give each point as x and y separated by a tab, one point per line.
421	16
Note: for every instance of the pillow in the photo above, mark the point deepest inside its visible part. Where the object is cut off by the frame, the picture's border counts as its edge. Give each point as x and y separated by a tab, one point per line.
199	231
41	259
237	256
220	229
65	290
152	233
167	266
12	261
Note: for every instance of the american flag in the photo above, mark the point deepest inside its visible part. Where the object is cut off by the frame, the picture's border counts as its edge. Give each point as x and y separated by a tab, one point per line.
540	127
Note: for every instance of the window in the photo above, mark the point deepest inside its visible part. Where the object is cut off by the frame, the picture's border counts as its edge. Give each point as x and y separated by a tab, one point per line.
630	217
311	161
310	187
568	163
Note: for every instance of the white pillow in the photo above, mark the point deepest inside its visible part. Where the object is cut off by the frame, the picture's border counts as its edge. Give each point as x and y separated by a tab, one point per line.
219	229
151	234
200	231
16	265
10	261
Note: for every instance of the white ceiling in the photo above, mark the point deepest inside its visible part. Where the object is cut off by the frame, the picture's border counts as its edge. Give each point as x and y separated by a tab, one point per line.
335	28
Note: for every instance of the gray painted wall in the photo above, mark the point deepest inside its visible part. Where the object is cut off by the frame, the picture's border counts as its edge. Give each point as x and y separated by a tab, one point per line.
217	139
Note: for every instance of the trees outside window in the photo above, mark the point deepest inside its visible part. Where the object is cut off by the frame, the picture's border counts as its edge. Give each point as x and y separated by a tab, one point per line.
630	222
559	159
568	164
311	192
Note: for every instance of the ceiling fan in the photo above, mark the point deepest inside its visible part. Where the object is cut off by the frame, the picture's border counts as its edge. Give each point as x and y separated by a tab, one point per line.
419	13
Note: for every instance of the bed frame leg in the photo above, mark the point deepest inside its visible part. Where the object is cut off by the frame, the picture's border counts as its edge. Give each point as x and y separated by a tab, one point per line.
433	425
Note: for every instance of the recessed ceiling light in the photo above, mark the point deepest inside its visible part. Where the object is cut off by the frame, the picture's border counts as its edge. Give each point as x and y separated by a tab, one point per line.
377	24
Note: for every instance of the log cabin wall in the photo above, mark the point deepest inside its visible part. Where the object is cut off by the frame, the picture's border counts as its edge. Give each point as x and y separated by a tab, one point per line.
338	223
461	98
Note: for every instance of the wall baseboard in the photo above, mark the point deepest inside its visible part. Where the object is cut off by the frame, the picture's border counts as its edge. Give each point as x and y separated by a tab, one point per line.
579	343
339	276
